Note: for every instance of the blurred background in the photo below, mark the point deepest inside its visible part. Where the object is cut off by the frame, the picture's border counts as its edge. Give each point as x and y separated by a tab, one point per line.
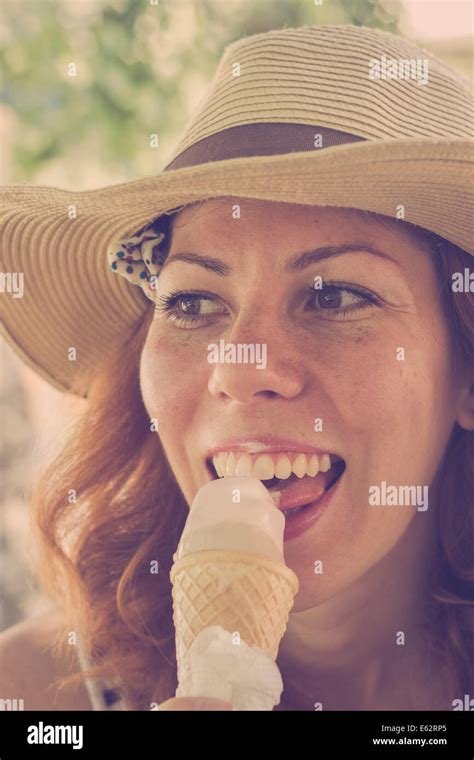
83	85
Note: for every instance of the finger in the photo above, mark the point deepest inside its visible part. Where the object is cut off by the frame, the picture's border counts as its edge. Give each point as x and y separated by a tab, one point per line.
195	703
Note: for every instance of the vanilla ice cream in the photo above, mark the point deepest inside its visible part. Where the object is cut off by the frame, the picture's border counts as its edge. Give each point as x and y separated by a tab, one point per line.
234	514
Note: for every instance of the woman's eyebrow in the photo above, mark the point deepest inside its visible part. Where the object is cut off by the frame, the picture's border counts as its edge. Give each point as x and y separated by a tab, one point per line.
295	263
301	261
208	262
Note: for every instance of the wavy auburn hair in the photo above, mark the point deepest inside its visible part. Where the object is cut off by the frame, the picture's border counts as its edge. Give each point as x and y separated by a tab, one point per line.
97	556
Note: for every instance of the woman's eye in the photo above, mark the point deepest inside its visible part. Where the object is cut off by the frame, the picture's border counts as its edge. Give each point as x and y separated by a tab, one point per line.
187	308
337	300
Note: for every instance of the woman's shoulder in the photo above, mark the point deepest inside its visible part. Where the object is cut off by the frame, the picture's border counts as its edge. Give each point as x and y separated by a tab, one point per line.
30	663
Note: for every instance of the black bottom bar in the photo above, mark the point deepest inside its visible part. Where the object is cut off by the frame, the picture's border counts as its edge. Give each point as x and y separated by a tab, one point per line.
323	734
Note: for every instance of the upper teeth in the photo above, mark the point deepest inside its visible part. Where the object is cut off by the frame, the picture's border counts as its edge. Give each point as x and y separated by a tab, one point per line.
266	466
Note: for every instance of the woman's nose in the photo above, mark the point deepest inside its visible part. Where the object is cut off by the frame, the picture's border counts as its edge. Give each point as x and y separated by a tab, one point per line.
242	366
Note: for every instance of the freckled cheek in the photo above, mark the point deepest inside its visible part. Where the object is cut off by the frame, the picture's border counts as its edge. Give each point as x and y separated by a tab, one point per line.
171	379
359	382
371	384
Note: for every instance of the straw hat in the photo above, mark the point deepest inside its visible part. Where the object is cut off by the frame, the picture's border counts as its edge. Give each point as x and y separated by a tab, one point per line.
329	116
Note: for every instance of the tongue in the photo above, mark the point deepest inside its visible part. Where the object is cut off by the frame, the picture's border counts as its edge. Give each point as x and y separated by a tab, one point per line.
297	491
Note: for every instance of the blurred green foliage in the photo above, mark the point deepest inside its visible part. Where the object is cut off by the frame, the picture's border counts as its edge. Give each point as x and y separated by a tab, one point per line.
139	67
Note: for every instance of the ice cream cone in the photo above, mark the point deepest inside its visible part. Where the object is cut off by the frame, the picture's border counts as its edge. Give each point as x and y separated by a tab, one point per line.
245	593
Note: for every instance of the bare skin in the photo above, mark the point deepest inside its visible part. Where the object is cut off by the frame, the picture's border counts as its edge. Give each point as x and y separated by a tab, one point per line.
28	667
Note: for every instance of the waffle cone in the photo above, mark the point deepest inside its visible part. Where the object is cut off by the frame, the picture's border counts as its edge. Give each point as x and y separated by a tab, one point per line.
242	592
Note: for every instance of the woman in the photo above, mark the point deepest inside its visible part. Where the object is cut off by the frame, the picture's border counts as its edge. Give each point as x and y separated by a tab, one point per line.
334	241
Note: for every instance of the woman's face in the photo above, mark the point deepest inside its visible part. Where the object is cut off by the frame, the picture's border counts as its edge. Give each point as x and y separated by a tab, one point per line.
370	360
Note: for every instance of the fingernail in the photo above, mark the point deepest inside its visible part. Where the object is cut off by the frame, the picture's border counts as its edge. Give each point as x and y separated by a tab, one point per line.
213	704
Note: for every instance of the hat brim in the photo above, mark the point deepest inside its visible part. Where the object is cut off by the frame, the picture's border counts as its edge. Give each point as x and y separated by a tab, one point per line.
58	239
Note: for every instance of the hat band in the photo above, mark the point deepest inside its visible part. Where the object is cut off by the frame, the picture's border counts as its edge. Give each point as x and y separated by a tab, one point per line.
260	139
139	257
